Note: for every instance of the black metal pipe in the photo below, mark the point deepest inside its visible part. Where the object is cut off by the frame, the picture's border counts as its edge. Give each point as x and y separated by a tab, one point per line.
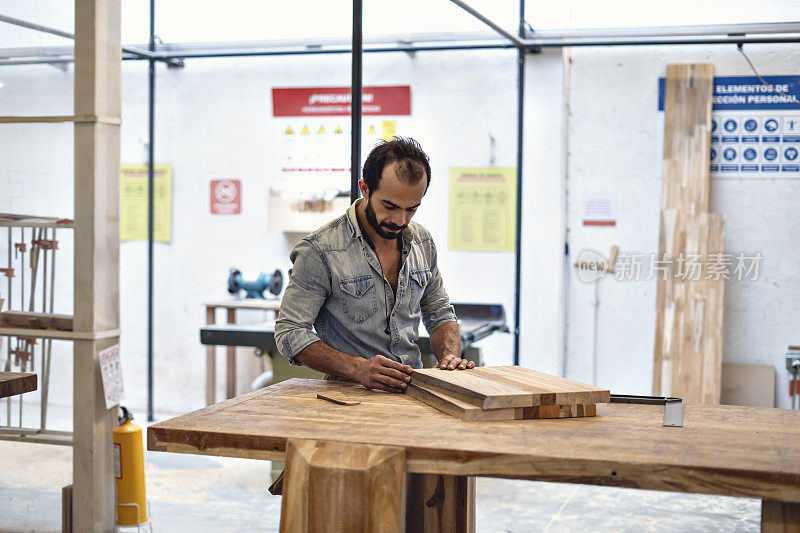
430	48
518	249
150	207
355	100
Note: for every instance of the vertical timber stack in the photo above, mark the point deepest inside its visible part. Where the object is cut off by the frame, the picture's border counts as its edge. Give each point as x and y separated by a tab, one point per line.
96	309
687	360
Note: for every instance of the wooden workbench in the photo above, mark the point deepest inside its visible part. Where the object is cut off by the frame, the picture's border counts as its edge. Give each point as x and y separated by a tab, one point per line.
724	450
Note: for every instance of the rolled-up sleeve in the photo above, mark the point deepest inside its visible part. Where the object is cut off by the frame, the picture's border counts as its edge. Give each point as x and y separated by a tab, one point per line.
309	286
435	304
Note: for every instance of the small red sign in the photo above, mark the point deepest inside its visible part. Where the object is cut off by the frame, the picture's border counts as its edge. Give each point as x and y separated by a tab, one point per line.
226	197
333	101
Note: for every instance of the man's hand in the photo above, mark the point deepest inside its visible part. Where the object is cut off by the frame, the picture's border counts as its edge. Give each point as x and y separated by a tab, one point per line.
382	373
454	362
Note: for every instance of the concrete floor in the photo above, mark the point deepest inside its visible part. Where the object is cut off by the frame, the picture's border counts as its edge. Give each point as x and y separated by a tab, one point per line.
194	493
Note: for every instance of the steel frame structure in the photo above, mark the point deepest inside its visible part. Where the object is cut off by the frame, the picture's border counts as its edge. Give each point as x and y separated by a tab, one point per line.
526	41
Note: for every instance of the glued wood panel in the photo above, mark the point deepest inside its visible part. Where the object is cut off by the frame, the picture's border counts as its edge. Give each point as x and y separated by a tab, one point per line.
472	386
697	321
685	185
454	407
509	386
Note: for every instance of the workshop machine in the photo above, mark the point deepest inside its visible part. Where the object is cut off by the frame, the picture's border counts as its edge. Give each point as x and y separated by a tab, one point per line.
477	321
254	283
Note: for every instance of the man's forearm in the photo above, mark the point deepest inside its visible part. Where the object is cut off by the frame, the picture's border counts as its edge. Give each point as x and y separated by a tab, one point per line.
446	340
322	358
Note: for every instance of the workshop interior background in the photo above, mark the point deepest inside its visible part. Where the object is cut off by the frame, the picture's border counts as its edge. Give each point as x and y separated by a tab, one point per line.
592	131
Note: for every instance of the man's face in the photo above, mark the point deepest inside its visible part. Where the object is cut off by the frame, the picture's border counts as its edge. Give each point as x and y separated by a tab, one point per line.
392	205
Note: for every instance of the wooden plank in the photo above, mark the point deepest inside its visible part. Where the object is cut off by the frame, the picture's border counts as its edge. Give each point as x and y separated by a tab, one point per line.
230	361
554	390
436	502
458	408
624	445
14	383
250	303
96	255
472	387
696	358
780	517
87	119
685	184
752	385
211	362
29	319
330	486
509	386
558	411
66	509
58	334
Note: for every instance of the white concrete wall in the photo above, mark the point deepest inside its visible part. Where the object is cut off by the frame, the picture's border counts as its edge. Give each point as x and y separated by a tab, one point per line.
613	138
614	148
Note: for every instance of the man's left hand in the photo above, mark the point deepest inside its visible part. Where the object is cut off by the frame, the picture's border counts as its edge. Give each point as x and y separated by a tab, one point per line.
454	362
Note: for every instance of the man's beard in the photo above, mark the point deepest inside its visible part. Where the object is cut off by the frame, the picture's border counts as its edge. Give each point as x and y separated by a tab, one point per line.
395	231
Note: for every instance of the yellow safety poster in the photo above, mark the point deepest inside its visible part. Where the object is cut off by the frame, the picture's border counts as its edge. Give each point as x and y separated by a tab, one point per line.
389	129
483	206
133	202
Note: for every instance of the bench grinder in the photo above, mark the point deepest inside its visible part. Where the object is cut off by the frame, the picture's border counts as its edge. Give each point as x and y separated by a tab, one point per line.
254	283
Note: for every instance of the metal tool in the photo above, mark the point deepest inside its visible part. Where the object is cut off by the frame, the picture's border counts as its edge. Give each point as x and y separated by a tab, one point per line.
254	283
673	407
793	367
478	321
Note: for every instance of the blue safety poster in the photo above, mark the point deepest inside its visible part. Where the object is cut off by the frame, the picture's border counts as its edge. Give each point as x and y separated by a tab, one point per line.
755	127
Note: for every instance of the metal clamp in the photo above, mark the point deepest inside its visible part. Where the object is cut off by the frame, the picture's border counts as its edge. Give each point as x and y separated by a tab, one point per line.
673	407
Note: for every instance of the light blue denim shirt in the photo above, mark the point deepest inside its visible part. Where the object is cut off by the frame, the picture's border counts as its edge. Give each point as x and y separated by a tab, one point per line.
337	286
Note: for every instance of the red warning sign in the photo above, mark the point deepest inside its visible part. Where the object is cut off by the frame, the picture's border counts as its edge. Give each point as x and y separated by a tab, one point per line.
226	197
325	101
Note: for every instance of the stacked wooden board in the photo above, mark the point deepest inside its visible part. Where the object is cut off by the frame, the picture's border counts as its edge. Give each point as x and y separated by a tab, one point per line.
687	359
504	393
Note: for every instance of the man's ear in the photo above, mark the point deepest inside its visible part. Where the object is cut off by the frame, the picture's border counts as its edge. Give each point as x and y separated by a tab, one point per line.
362	186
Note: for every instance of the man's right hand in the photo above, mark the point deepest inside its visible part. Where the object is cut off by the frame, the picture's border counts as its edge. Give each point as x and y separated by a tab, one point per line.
382	373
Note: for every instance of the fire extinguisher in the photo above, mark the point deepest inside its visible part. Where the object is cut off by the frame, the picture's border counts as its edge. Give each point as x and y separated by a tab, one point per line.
129	471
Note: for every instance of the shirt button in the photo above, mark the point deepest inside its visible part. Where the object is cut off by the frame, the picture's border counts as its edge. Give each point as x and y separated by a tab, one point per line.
358	293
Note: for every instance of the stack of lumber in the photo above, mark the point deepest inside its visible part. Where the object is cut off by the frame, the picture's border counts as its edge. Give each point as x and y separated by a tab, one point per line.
687	359
504	393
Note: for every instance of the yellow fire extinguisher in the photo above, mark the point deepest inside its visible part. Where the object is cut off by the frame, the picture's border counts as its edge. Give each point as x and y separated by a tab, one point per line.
129	472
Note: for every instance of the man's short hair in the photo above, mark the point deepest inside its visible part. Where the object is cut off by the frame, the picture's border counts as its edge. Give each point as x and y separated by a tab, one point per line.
413	162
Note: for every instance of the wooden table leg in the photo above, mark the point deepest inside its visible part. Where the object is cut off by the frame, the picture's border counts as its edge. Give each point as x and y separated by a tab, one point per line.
440	503
332	486
780	517
211	360
230	373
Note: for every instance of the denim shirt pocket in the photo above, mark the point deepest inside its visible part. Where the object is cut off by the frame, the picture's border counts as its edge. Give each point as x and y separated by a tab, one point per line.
359	301
419	280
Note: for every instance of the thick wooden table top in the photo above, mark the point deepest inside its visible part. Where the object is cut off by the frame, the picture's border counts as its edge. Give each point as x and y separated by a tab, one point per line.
13	383
742	451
